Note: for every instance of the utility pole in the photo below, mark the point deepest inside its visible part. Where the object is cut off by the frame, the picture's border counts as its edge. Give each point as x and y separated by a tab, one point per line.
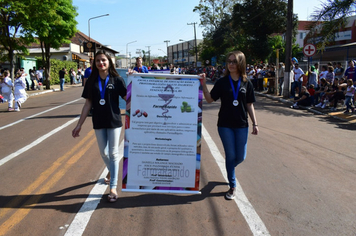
287	73
149	55
195	42
167	41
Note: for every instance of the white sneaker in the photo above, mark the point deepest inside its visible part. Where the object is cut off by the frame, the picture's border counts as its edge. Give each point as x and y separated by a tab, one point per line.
231	194
319	105
17	109
323	106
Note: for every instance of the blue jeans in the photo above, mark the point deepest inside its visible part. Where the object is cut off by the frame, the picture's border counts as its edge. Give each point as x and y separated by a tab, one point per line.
61	83
296	84
108	142
348	102
234	141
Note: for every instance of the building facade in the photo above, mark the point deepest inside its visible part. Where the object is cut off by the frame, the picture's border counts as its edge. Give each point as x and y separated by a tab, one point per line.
343	46
184	53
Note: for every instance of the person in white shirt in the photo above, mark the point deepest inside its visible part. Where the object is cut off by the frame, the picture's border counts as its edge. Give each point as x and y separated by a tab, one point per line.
6	89
39	75
298	79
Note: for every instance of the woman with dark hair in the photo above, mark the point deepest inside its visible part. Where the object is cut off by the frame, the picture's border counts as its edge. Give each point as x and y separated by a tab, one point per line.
237	97
101	92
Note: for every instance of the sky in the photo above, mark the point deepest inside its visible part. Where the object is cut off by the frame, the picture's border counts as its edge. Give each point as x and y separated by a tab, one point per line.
150	23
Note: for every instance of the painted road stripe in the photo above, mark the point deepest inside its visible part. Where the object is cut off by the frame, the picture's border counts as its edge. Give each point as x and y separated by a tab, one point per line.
44	176
29	117
25	209
36	142
253	220
82	218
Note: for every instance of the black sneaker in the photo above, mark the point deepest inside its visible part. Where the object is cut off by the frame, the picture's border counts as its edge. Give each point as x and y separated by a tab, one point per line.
230	194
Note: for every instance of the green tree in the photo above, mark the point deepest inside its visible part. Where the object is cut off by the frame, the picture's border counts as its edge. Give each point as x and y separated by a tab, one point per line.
257	20
13	34
333	14
212	12
54	23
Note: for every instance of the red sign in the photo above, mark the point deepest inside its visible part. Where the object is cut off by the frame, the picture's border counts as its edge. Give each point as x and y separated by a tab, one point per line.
309	50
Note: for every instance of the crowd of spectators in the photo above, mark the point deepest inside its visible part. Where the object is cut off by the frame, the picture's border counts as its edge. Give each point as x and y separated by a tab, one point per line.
325	89
320	86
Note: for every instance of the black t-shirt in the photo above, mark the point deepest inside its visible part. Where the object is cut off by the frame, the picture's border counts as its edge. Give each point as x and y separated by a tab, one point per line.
62	73
229	115
108	115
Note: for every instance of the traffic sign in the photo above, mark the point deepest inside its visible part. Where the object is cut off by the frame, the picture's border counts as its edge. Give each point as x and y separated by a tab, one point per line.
309	50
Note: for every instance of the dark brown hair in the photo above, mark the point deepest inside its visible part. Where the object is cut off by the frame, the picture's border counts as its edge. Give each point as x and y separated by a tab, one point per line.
95	72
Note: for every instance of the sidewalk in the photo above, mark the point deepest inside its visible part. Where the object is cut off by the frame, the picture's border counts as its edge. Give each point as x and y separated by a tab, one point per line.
339	114
54	88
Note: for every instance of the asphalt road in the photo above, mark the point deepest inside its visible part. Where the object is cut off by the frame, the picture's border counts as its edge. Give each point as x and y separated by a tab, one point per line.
298	178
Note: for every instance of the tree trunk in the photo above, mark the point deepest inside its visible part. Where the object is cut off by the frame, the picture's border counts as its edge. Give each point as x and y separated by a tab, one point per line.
48	65
12	64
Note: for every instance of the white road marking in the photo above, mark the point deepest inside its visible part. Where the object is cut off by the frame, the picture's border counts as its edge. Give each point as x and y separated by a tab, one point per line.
253	220
36	142
82	218
29	117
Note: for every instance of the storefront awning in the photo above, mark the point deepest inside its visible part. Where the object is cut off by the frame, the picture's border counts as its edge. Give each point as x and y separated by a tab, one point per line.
82	57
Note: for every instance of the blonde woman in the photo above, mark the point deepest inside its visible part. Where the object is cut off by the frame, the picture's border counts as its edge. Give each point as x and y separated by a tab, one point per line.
237	97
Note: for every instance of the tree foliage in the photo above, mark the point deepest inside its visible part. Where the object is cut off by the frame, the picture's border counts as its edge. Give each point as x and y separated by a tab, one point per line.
258	20
54	23
247	25
14	36
333	15
213	12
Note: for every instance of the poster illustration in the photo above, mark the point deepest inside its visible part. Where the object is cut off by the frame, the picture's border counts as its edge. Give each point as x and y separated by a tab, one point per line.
162	133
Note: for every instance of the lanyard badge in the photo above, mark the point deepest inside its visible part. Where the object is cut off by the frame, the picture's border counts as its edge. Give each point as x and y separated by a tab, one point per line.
235	92
102	90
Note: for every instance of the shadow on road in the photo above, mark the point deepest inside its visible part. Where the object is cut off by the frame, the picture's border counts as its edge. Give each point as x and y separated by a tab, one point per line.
34	201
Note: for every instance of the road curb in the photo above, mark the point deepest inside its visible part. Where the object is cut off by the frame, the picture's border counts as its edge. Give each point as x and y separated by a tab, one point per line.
310	109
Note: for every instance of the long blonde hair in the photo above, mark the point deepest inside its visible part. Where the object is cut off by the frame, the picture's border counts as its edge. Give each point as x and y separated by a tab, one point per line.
241	64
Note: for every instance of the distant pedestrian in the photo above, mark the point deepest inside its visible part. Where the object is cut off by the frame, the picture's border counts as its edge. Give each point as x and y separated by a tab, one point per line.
19	91
72	75
349	94
6	89
139	67
236	94
101	92
87	72
62	74
281	70
32	78
39	75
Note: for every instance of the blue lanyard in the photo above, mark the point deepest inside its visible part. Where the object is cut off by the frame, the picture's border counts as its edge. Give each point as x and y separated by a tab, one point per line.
102	91
235	92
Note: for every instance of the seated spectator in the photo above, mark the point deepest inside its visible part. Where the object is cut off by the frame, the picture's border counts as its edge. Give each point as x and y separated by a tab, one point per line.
320	92
311	91
324	99
338	94
324	71
303	99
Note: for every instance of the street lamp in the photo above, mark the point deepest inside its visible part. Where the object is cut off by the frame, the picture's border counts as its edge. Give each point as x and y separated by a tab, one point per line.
167	41
163	51
127	48
195	39
89	23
